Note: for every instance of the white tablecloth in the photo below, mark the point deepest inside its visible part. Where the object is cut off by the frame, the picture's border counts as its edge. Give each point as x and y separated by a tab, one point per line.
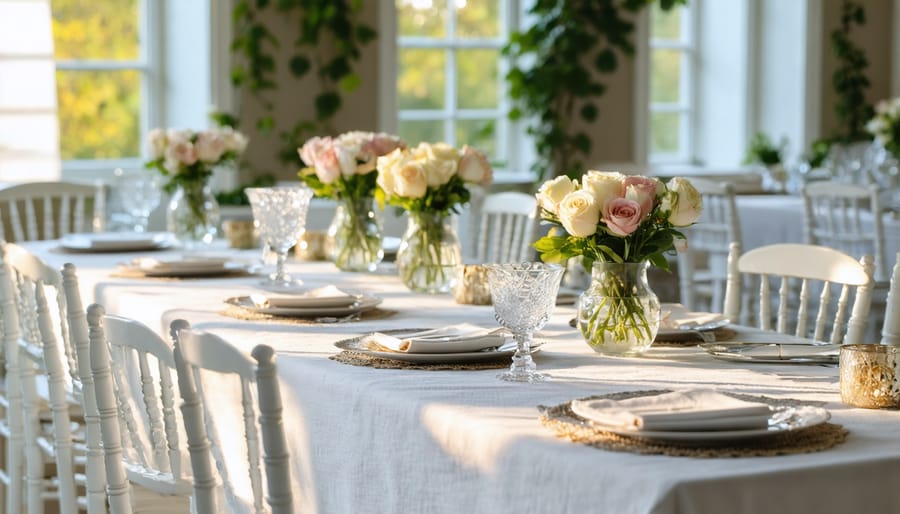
390	441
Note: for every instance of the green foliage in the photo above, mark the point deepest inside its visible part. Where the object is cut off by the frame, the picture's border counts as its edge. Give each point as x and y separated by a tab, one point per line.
332	24
849	78
442	200
352	186
557	82
763	151
817	153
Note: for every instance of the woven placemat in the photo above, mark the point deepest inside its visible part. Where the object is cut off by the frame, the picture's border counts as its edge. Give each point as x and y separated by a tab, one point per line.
362	359
233	311
689	338
133	273
566	423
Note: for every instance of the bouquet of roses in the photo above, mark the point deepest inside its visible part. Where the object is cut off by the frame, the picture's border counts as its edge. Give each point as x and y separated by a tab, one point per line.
343	168
188	157
885	126
429	182
613	218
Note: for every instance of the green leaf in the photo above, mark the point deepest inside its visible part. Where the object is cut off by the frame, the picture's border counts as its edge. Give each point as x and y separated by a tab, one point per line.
606	61
350	83
589	112
265	124
299	66
364	34
326	105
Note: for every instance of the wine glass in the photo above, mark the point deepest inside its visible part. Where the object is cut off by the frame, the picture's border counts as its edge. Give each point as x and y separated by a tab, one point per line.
524	295
279	213
138	194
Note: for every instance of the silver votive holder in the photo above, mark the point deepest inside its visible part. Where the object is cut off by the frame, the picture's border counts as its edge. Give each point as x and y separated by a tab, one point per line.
472	285
870	376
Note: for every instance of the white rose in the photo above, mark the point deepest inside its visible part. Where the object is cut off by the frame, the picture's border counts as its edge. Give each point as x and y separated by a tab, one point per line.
409	180
158	140
684	202
234	140
210	147
474	167
579	214
346	156
387	166
180	152
553	191
438	161
604	185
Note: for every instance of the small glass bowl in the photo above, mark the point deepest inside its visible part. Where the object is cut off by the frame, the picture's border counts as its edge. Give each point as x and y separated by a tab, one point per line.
870	376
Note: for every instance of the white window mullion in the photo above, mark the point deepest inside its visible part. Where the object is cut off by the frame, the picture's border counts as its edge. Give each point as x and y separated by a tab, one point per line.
450	86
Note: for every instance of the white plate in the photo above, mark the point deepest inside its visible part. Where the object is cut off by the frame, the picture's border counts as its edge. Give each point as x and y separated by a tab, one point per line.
116	241
354	344
188	268
364	304
784	419
774	353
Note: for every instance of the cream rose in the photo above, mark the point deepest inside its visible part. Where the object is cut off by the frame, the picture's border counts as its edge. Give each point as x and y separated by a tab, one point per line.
474	167
439	162
346	156
579	214
553	191
684	202
387	166
181	151
210	147
643	191
409	180
158	140
622	216
604	185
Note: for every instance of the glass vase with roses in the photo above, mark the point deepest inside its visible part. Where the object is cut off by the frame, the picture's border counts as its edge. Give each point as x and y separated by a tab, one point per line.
188	158
618	225
429	182
343	168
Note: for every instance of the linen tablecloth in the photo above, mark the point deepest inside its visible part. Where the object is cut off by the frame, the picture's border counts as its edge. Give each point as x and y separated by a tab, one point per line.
388	441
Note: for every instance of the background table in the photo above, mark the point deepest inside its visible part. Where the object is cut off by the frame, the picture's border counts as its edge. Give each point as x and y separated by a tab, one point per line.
378	440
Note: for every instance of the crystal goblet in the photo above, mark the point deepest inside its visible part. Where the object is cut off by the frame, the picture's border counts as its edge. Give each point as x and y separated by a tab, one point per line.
138	193
279	213
524	295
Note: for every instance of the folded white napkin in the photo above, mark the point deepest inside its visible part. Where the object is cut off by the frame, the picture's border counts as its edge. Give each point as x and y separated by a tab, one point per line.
327	296
677	317
687	410
455	339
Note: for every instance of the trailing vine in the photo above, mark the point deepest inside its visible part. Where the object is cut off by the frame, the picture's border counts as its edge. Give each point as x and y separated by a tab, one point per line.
332	24
849	78
552	78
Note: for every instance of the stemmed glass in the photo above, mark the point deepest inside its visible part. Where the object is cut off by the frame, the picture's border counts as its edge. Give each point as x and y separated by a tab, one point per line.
138	193
279	213
524	295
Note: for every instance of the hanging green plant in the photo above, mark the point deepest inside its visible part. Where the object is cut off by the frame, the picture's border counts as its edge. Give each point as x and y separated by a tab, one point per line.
556	75
331	24
849	78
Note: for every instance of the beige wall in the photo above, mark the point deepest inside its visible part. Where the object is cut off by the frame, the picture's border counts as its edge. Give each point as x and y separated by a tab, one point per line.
613	134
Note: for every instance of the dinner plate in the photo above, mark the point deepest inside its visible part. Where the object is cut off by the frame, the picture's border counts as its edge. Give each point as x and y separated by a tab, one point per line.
774	353
187	268
783	419
116	241
365	303
355	344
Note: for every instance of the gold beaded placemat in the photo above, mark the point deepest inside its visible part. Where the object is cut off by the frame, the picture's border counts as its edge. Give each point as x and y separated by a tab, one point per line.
566	423
233	311
363	359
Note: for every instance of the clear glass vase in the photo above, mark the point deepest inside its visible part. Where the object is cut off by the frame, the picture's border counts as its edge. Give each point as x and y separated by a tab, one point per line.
429	253
355	235
193	215
619	313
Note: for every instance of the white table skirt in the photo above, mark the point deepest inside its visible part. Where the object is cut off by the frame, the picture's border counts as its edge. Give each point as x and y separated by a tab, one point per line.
375	440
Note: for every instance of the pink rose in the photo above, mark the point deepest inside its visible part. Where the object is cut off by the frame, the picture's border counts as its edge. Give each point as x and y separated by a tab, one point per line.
327	164
622	216
181	151
642	190
383	144
312	148
210	147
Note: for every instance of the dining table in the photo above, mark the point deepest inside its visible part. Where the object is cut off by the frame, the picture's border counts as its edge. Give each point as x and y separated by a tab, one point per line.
364	439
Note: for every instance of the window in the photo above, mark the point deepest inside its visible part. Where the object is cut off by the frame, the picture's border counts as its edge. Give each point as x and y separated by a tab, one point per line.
450	74
103	79
671	90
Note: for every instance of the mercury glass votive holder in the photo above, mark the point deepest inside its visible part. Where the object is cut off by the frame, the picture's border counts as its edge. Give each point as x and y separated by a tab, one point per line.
870	376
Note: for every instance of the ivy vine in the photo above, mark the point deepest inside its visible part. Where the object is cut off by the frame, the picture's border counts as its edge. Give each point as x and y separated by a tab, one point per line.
849	78
558	59
334	24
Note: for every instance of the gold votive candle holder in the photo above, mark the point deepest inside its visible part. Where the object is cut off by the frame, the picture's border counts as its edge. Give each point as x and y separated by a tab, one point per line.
472	285
312	246
870	376
240	233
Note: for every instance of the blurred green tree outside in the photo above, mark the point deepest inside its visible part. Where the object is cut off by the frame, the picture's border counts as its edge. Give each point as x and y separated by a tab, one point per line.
99	110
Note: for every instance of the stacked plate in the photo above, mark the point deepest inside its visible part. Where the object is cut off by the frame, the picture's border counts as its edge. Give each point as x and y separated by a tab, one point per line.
116	242
324	301
185	267
446	345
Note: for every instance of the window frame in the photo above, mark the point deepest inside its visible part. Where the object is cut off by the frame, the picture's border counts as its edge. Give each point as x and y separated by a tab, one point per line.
149	65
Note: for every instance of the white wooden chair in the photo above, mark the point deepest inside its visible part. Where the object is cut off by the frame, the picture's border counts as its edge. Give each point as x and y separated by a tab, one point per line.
48	210
890	332
702	267
196	351
146	472
506	228
811	266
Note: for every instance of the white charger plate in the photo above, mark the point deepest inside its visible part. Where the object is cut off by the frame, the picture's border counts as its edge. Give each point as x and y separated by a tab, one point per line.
116	241
783	419
354	344
364	303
